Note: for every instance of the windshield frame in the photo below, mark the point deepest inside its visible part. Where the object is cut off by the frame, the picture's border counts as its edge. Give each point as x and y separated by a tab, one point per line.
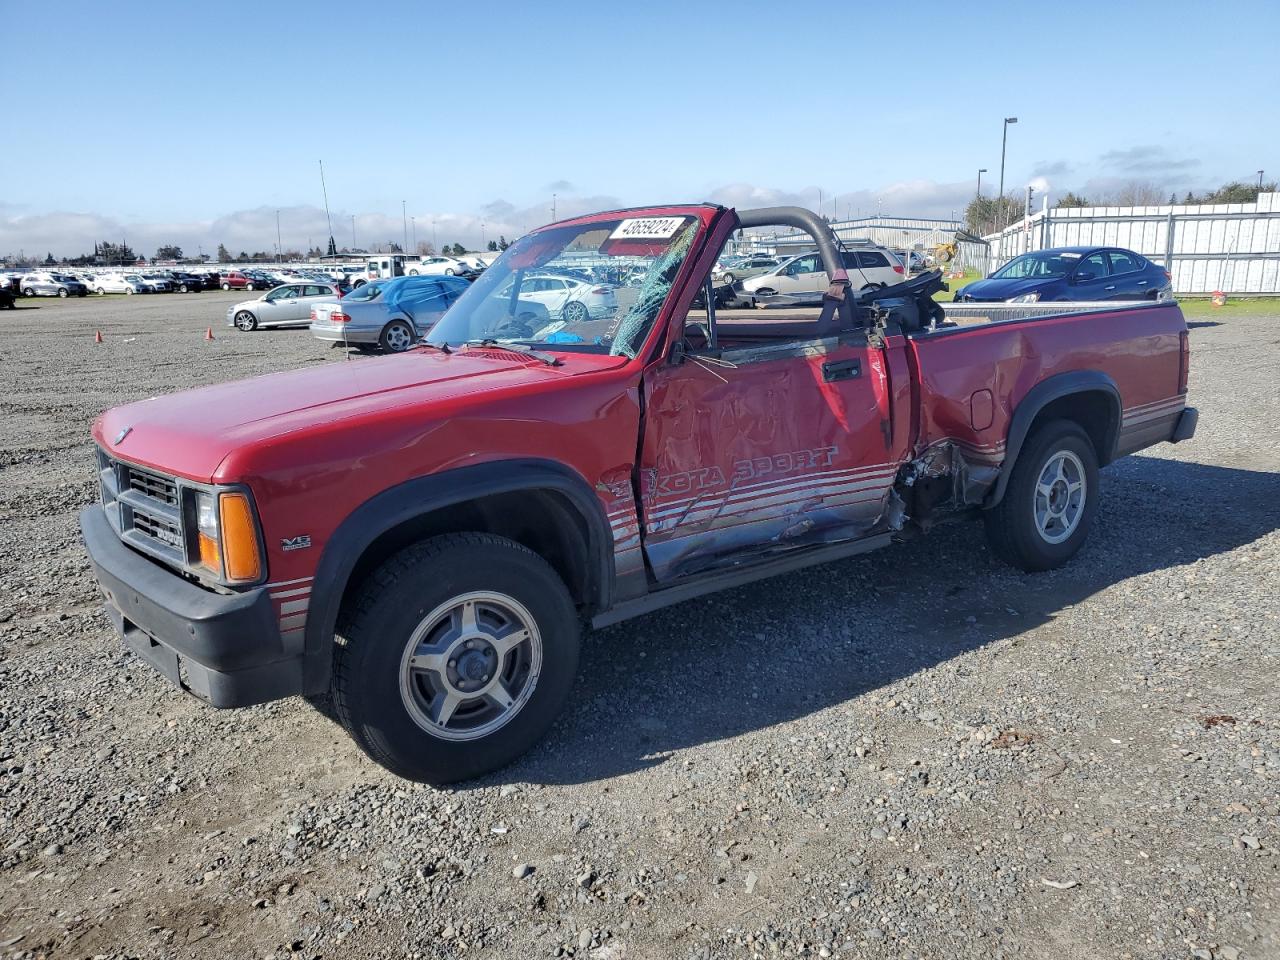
495	276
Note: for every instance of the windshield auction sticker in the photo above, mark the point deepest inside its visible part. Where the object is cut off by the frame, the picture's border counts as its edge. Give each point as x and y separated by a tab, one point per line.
647	228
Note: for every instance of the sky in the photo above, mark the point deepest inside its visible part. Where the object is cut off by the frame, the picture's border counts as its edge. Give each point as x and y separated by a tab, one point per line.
172	123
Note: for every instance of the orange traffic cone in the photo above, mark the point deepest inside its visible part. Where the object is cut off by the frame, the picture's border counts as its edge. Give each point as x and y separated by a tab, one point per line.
97	336
208	333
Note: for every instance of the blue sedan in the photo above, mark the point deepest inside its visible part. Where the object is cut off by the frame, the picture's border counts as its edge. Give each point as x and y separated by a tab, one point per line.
1072	273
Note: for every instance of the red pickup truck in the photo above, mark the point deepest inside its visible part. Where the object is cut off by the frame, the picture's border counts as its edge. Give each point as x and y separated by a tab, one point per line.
416	542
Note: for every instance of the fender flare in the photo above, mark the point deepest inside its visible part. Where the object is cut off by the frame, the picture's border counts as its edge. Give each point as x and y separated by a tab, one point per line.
1040	396
423	495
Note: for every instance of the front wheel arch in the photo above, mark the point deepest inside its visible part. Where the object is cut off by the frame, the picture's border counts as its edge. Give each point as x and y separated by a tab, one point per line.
467	499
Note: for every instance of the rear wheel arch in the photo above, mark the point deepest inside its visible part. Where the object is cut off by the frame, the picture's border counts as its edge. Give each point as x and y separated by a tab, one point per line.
1087	397
539	504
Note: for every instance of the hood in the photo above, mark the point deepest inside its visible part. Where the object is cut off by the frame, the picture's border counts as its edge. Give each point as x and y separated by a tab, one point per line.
1005	289
190	433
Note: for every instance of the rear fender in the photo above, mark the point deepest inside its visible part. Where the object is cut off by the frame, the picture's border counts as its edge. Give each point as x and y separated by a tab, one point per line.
1040	396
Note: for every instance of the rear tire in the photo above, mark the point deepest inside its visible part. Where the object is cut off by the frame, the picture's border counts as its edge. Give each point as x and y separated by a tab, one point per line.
397	337
1050	502
403	644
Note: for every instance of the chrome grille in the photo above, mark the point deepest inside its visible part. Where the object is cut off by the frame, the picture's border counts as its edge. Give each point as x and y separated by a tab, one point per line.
153	485
145	508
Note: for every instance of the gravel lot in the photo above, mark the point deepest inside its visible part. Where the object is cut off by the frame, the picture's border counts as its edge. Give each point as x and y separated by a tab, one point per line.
918	753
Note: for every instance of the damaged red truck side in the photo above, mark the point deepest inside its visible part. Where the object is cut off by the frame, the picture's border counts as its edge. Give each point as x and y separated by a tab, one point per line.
415	542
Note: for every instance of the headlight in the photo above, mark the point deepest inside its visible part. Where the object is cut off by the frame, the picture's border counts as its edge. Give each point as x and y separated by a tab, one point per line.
1025	298
227	536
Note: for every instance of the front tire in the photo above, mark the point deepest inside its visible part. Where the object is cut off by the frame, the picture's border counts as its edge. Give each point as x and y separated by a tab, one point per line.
246	322
1050	501
455	657
100	292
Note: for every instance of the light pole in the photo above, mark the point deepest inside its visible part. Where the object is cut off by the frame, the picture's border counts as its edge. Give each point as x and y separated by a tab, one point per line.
279	247
433	235
981	171
1260	181
482	235
353	231
553	208
404	219
413	222
1004	139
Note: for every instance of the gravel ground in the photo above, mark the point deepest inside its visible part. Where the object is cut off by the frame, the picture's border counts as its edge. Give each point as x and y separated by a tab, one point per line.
919	753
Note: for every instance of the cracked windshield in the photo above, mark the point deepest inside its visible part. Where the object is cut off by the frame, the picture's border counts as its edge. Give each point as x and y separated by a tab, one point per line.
593	287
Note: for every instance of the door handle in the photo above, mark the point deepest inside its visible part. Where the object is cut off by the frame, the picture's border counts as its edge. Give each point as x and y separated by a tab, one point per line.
1142	283
1112	287
841	370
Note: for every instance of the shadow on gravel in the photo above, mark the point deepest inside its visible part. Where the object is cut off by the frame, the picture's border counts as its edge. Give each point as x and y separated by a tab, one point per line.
760	655
1192	324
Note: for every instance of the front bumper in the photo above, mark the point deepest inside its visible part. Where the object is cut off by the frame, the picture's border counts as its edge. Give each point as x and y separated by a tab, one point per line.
225	649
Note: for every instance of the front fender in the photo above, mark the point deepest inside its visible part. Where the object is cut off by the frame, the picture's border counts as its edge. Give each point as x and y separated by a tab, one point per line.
423	495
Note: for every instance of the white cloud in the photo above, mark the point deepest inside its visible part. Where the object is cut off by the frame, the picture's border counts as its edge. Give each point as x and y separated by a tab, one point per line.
74	233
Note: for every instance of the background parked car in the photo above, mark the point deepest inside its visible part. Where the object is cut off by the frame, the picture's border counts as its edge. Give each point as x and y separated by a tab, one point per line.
186	282
868	266
235	280
155	283
740	268
7	299
118	283
389	314
1072	273
52	285
285	306
449	266
567	297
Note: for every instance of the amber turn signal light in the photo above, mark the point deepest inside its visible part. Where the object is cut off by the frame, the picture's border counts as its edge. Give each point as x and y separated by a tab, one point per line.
239	538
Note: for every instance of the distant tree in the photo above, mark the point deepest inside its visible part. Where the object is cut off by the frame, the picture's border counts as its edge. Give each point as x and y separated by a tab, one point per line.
425	249
333	247
986	215
169	252
1137	193
459	249
1073	200
394	247
224	255
49	261
502	243
243	256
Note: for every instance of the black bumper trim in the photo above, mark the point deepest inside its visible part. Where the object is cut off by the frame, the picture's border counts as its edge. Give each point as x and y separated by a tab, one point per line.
1185	428
225	649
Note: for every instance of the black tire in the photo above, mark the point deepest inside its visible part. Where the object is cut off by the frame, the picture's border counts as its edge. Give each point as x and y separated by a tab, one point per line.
28	292
62	293
375	629
246	322
101	292
391	339
182	288
226	286
1012	528
728	278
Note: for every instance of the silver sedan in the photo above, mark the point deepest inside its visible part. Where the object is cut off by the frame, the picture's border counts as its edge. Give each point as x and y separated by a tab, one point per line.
286	306
388	314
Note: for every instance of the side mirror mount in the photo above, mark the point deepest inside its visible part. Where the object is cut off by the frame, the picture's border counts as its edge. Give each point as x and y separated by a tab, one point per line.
1082	276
